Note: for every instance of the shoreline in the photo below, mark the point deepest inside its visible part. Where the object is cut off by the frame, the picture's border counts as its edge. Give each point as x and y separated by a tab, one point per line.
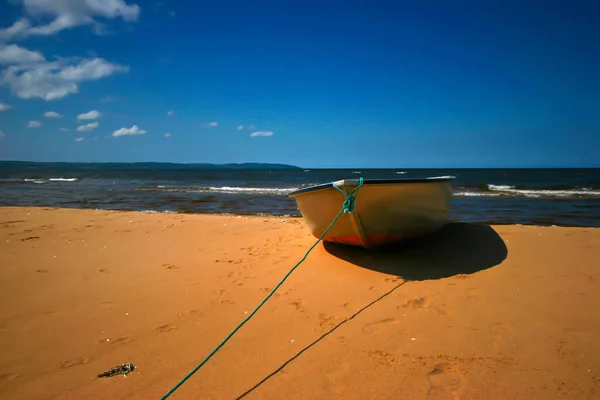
271	216
476	311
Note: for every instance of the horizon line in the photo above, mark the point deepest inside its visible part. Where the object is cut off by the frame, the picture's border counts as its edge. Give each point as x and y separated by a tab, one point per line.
292	165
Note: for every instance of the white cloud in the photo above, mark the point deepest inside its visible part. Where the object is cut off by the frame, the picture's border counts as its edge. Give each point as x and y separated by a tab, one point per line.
170	113
66	14
211	124
51	80
89	127
19	27
79	139
89	115
34	124
52	114
65	130
261	133
12	54
5	107
134	130
2	135
240	127
107	99
168	135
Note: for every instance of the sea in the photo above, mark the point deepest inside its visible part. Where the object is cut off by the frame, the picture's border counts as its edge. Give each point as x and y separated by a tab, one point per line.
562	197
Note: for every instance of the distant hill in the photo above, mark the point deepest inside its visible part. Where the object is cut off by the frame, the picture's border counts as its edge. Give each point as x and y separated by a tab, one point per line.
138	165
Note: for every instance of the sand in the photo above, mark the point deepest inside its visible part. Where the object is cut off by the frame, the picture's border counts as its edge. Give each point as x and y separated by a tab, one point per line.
473	312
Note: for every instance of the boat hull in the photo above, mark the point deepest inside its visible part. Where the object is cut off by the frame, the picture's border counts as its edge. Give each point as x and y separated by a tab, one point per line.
386	211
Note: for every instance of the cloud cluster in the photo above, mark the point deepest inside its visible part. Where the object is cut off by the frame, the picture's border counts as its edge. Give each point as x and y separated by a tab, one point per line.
52	114
87	128
134	130
34	124
210	125
51	80
2	135
245	127
29	74
89	115
12	54
66	14
5	107
261	134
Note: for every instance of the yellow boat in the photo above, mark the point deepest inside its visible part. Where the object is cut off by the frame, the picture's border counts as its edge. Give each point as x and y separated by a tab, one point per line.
385	211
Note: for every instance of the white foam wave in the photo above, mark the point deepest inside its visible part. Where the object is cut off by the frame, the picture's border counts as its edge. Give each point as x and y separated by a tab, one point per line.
544	192
476	194
36	180
248	190
500	187
402	172
442	177
227	190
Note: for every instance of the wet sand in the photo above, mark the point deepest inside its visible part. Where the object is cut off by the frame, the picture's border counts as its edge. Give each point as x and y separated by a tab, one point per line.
473	312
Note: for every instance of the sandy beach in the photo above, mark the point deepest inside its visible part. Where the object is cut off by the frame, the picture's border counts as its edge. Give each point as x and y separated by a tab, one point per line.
473	312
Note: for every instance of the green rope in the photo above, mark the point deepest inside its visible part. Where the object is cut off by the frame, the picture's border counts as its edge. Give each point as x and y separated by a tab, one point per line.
348	207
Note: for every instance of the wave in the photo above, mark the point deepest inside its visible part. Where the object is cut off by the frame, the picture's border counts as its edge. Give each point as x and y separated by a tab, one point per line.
555	191
64	179
44	180
224	189
249	190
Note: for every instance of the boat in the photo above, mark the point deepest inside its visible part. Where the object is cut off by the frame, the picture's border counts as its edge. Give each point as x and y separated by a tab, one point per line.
385	210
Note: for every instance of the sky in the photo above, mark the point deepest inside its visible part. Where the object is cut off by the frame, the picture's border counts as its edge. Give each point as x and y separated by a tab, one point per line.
380	84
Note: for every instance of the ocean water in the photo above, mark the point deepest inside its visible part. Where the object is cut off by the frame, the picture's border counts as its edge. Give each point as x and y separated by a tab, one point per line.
564	197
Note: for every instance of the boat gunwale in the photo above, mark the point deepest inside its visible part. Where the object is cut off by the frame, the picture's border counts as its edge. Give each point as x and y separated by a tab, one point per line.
355	181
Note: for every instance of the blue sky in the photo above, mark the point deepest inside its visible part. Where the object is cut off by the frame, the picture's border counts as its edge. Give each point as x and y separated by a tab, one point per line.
319	84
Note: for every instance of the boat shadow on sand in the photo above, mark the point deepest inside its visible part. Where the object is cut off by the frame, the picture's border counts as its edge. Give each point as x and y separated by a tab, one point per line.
458	248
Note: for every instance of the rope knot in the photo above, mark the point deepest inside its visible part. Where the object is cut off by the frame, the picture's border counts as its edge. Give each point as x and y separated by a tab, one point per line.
348	206
349	203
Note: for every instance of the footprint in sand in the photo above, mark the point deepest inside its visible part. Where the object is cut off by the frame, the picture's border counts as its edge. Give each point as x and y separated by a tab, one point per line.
326	321
298	305
378	326
383	357
170	266
428	304
29	238
166	328
74	362
416	303
42	271
7	376
501	332
445	381
120	340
